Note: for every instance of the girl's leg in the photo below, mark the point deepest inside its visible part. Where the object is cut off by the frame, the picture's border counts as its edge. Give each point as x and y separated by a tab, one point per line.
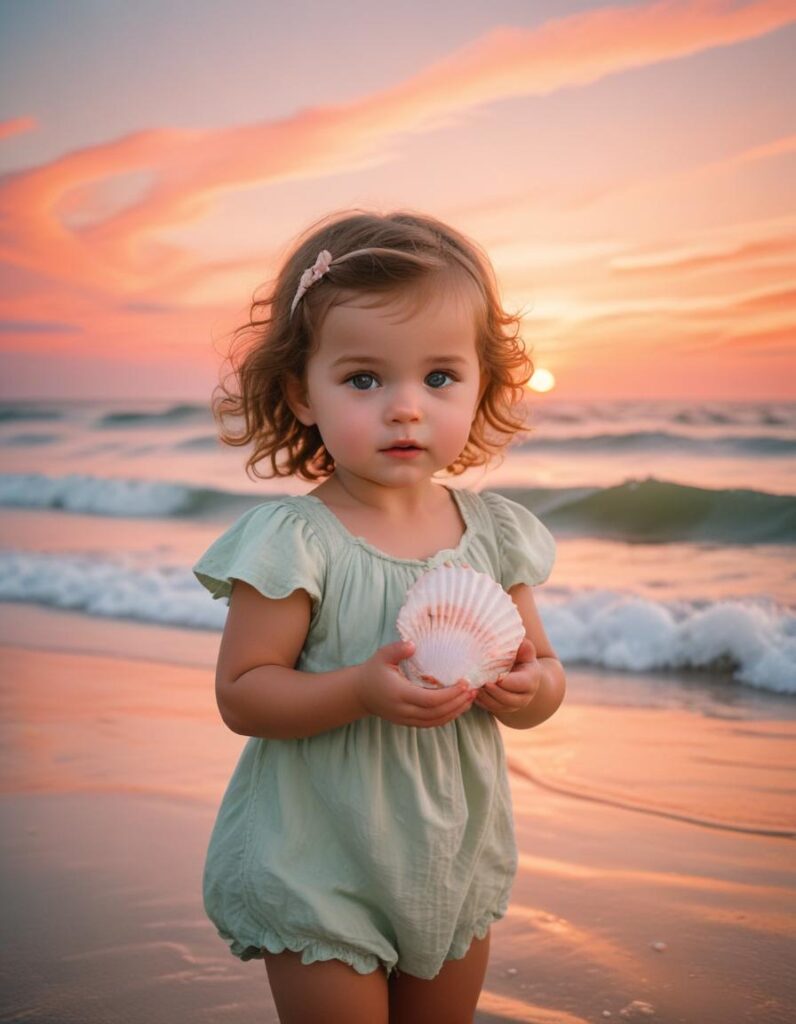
328	991
450	998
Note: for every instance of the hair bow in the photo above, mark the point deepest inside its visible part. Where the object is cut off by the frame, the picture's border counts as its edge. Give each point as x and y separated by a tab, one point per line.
311	275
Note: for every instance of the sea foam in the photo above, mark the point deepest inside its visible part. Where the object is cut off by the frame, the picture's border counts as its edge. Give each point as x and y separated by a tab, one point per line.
93	495
751	640
754	639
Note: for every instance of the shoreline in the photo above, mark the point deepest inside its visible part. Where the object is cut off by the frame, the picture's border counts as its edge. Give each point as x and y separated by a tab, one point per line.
40	628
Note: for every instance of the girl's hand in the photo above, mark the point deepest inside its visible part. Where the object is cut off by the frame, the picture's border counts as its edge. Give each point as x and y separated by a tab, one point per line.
517	688
382	689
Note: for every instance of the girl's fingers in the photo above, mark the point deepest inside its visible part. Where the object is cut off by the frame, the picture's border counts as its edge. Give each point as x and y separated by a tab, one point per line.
436	698
454	706
436	713
509	685
486	700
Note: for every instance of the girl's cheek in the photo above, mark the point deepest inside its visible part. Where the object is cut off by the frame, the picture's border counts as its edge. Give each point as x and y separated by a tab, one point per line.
354	430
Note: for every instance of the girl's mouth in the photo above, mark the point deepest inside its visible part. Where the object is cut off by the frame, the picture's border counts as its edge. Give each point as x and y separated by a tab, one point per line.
403	451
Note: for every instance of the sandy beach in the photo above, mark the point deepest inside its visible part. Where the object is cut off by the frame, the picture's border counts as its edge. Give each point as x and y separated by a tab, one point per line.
655	827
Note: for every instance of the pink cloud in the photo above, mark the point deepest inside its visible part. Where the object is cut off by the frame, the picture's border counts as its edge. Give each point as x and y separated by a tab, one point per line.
738	255
771	149
120	254
17	126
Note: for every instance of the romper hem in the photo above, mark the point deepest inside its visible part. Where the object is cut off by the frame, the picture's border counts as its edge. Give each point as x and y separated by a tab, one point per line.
312	950
315	950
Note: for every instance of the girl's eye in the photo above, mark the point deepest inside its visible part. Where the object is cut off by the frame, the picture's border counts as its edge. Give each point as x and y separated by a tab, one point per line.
364	381
436	379
361	381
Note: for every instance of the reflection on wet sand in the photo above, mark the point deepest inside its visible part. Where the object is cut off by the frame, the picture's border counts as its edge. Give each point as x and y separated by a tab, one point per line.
112	769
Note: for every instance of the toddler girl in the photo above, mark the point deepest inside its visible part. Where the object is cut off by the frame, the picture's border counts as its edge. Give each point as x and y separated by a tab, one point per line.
365	842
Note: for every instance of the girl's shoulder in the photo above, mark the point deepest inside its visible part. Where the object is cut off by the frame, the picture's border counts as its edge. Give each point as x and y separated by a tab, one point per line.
526	546
274	546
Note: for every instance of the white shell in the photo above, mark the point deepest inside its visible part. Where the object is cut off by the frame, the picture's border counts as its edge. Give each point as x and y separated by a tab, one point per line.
464	626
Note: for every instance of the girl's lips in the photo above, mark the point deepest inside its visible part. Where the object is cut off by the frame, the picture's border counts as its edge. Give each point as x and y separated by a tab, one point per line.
402	453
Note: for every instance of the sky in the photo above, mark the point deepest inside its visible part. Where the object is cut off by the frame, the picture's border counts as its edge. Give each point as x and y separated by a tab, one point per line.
630	169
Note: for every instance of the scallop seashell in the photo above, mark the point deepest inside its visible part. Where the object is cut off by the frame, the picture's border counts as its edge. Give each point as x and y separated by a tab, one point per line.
464	626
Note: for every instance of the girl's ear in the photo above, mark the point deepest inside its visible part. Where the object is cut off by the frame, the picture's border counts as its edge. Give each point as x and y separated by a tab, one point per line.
296	396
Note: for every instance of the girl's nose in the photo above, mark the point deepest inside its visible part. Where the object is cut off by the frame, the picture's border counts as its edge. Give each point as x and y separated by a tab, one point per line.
404	412
404	406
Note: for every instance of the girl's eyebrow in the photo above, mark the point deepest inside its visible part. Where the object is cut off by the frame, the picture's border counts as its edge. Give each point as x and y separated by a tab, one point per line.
375	360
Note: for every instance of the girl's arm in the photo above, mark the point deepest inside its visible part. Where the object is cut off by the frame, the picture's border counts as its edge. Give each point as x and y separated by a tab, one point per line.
259	693
535	687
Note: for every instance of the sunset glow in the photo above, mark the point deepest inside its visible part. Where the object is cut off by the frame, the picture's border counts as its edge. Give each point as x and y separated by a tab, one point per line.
642	220
542	380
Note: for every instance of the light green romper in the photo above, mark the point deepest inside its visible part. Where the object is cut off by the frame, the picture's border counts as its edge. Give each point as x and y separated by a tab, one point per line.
372	843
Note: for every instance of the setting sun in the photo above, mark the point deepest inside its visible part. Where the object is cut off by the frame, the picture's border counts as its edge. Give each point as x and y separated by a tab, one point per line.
542	380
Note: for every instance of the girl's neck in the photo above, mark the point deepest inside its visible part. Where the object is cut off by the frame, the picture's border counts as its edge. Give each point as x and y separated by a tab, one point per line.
412	530
342	491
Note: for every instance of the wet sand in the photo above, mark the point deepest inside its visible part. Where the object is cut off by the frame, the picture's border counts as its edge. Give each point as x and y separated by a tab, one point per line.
655	823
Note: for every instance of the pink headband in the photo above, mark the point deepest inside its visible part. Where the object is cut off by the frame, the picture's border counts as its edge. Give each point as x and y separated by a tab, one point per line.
324	260
311	275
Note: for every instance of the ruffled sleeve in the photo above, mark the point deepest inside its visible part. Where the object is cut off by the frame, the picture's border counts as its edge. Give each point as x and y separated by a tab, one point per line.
527	548
273	548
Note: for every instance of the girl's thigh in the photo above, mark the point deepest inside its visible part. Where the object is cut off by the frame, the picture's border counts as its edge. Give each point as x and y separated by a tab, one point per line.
450	998
327	991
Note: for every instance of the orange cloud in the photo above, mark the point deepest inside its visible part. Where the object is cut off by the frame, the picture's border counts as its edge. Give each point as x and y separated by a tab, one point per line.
645	329
764	343
17	126
777	300
776	148
119	253
738	254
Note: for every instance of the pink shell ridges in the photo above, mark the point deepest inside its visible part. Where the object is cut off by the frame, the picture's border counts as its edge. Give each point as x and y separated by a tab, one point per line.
464	626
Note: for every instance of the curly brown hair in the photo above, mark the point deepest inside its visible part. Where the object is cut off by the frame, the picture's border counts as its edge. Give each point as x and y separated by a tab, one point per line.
404	252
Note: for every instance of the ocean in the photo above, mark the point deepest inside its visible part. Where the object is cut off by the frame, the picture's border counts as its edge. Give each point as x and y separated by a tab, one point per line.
675	524
653	810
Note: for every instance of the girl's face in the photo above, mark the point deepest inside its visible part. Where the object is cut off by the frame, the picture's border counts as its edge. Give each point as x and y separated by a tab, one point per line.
394	375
